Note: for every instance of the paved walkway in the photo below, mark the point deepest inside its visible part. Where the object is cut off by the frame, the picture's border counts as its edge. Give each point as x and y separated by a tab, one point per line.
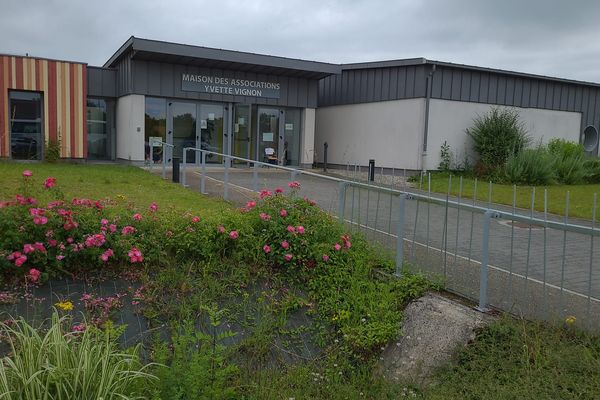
445	241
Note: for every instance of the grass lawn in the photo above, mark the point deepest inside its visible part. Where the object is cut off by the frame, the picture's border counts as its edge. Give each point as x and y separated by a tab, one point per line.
581	197
521	360
98	181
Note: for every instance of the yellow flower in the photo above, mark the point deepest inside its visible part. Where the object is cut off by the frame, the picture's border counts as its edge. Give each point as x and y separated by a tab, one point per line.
570	320
64	305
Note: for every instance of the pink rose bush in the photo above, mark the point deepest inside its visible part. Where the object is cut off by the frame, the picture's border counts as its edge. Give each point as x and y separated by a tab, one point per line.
51	238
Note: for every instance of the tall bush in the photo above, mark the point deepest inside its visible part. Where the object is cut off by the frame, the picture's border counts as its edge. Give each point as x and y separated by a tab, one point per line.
530	167
569	161
496	136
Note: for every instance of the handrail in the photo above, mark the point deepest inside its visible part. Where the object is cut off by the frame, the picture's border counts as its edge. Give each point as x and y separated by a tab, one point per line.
414	195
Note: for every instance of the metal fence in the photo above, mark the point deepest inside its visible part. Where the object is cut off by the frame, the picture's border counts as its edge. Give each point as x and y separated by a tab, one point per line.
525	262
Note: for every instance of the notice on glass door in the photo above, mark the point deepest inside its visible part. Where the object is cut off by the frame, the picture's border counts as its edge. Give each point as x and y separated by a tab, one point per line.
203	124
289	127
267	136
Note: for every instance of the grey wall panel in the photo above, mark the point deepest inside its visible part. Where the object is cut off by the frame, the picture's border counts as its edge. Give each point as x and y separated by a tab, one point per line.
465	87
377	86
484	88
410	82
164	80
402	78
421	73
518	92
475	82
385	84
102	82
510	91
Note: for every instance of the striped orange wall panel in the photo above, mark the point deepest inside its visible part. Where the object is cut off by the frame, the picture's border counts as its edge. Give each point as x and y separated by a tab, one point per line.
64	89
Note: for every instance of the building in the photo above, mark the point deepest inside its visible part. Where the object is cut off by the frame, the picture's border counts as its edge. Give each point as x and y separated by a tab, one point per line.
271	109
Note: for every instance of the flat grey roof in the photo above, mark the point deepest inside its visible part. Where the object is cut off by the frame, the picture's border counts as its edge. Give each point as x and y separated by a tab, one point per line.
154	50
422	61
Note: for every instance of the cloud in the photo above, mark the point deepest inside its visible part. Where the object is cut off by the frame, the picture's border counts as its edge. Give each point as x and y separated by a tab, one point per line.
550	37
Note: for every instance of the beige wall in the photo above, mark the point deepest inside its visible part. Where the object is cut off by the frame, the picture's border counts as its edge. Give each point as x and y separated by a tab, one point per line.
130	128
448	121
307	147
391	132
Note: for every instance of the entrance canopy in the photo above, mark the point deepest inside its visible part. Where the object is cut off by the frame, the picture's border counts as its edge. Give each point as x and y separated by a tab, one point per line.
182	54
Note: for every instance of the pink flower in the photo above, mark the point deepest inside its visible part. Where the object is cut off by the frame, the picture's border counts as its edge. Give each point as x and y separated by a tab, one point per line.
347	245
291	229
79	328
112	228
70	240
28	248
294	185
104	221
20	260
267	249
250	204
283	213
264	216
325	257
49	182
221	229
39	247
27	173
233	234
285	244
137	216
60	257
14	255
279	190
195	219
265	193
40	220
300	229
135	256
288	257
337	247
96	240
34	275
127	230
52	242
153	207
168	233
106	255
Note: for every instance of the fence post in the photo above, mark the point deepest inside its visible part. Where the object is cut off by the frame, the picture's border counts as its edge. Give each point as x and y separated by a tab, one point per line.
325	145
342	201
400	235
226	180
164	161
485	254
255	177
151	160
183	180
203	174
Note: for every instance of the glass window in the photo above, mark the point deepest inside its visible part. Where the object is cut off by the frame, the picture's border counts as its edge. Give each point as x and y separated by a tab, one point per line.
155	125
98	138
292	129
26	136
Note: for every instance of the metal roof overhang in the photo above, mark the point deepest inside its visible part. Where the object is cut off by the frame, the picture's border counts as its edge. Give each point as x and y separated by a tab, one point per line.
152	50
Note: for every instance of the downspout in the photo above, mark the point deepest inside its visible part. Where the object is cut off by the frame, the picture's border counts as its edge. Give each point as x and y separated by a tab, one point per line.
426	124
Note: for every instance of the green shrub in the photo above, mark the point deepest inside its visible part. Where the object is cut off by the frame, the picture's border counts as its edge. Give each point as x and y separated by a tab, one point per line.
531	167
52	151
565	148
592	170
61	364
496	136
445	157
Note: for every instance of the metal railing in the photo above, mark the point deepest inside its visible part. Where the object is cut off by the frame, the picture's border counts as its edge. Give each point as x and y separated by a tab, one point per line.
164	157
524	262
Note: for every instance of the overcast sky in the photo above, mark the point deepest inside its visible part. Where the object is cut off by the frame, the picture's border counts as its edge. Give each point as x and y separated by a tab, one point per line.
547	37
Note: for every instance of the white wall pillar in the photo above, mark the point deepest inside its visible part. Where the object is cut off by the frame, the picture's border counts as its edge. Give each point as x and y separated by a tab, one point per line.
307	145
130	127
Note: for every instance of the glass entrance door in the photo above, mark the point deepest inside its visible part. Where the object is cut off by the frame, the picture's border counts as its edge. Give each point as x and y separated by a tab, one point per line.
268	135
183	117
241	132
26	135
211	130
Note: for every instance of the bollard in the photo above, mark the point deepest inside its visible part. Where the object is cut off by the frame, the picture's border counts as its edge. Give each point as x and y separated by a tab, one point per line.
176	164
371	170
325	157
485	253
400	235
